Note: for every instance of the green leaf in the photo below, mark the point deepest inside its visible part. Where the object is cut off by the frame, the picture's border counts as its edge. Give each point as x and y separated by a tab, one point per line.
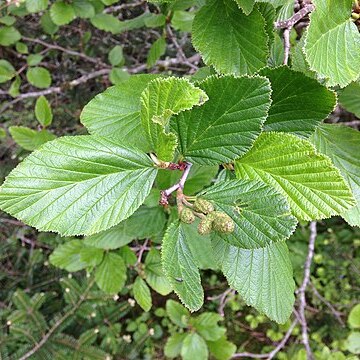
107	22
157	50
115	113
34	6
9	35
14	89
233	42
80	185
34	59
207	326
155	20
62	13
180	267
182	20
174	344
110	276
200	247
67	256
313	186
91	256
2	133
83	9
7	20
7	71
276	52
177	313
30	139
39	77
154	274
142	294
221	349
161	99
47	24
342	145
263	277
21	47
226	126
246	5
118	76
298	61
116	56
43	111
261	214
350	98
194	347
352	342
299	103
332	42
354	317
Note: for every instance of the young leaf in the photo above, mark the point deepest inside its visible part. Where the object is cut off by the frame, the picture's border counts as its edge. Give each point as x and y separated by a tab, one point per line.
83	9
263	277
154	274
207	326
142	294
110	276
194	347
34	6
233	42
9	35
107	22
43	111
7	71
30	139
332	42
62	13
161	99
115	113
180	267
177	313
221	349
174	344
39	77
261	214
117	76
67	256
313	186
226	126
299	103
157	50
342	145
79	185
116	56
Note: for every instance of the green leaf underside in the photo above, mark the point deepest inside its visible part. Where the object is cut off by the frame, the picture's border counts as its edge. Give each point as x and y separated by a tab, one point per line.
30	139
226	126
154	274
350	98
142	294
179	264
115	113
78	185
313	186
161	99
110	276
299	103
261	214
233	42
263	277
334	37
342	145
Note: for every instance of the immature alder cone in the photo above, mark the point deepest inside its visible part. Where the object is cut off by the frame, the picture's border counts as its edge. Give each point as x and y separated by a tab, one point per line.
187	216
204	227
203	206
222	222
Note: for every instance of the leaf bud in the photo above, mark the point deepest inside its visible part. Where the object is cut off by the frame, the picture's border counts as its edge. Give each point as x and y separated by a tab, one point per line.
223	223
203	206
187	216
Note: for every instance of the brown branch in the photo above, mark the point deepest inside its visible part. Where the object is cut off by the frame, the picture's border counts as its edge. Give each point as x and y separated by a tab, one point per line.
301	291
